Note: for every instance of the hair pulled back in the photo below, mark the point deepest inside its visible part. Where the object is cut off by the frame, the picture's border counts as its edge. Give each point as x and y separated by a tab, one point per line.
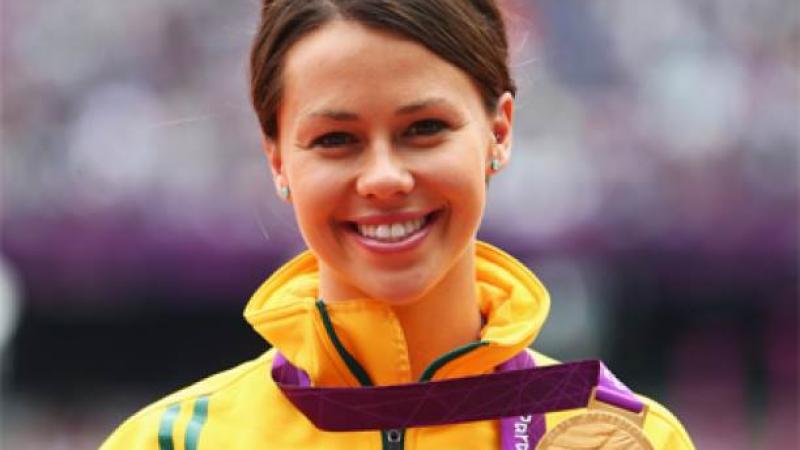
470	34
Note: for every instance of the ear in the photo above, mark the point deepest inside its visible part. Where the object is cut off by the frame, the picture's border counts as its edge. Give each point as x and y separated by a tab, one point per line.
275	164
501	125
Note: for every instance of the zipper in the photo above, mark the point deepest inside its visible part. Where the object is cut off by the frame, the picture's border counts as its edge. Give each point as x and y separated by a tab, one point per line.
393	439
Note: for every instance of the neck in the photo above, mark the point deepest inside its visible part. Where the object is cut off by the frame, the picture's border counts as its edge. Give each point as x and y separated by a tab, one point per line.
445	318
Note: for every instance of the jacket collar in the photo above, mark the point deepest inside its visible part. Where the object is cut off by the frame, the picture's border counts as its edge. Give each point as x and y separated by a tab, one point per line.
286	312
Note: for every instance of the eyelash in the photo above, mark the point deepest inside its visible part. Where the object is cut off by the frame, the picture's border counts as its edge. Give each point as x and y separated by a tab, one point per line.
438	125
421	128
324	140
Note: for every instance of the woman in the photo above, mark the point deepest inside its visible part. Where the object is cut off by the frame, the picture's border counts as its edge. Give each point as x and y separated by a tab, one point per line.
383	121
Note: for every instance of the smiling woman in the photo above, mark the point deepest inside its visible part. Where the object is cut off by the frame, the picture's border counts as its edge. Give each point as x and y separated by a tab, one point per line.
382	123
415	146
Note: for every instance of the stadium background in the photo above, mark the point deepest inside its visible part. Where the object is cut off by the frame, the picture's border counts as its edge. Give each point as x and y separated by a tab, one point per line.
653	188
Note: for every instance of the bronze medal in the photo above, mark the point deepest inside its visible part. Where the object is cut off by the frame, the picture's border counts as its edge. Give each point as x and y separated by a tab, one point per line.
595	430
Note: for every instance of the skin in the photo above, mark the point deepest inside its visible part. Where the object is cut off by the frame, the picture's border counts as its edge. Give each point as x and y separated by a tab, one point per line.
388	126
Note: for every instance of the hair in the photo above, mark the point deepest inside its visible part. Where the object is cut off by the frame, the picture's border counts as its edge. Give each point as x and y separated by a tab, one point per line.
470	34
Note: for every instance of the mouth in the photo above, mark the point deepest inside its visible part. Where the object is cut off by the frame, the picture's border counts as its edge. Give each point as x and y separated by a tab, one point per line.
400	234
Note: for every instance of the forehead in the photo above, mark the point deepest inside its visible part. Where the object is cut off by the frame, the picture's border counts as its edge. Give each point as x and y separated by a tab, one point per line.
347	65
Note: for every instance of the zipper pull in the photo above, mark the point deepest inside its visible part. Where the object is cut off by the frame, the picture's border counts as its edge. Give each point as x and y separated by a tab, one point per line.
393	439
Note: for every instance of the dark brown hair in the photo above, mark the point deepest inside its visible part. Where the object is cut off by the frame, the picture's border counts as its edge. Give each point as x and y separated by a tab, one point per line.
470	34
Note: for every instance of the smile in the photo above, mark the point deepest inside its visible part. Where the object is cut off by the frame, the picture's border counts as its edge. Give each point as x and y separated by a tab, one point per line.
393	234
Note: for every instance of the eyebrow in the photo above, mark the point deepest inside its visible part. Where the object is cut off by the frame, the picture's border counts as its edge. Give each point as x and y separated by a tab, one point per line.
347	116
422	104
335	114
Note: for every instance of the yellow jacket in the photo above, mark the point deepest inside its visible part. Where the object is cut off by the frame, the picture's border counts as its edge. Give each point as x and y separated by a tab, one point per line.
242	408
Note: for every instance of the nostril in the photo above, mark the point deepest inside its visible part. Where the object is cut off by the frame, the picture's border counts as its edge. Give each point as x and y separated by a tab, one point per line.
384	180
384	190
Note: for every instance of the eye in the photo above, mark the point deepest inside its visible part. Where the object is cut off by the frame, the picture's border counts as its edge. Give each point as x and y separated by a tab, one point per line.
334	140
427	127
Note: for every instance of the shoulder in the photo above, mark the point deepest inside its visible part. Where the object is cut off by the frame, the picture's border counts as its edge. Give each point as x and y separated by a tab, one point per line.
183	413
663	429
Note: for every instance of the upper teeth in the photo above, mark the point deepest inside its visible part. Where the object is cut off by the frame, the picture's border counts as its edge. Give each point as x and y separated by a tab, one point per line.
391	231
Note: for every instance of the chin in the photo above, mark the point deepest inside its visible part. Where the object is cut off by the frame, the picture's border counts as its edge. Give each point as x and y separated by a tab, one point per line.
396	294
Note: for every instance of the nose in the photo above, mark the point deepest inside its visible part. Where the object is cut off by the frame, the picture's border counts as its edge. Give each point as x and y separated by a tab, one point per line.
384	174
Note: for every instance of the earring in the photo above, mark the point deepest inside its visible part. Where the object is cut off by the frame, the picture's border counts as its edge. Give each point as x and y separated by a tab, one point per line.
494	164
284	192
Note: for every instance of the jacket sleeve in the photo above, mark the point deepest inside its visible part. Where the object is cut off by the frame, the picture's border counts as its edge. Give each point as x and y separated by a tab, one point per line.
664	430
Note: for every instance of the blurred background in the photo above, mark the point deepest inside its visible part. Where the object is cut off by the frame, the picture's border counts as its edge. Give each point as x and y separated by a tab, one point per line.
653	188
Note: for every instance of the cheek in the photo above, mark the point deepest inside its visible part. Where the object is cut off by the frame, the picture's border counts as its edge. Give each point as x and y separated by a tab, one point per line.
460	176
316	190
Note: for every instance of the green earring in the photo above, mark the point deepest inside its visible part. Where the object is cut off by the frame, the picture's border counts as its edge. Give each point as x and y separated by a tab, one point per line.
495	164
284	192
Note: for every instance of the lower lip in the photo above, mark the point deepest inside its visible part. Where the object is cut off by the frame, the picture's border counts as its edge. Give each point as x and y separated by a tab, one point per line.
409	243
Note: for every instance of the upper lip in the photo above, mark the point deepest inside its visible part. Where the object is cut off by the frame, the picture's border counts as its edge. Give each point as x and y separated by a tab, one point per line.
390	217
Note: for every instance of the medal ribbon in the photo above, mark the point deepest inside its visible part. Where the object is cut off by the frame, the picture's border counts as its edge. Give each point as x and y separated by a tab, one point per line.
517	393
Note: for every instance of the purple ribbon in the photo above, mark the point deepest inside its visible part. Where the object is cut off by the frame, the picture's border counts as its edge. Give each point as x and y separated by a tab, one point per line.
520	432
517	393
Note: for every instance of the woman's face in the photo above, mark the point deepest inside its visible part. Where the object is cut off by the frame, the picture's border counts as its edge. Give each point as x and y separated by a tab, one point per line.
385	147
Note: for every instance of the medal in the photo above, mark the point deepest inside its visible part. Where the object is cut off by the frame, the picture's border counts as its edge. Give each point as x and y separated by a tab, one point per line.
595	430
603	426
